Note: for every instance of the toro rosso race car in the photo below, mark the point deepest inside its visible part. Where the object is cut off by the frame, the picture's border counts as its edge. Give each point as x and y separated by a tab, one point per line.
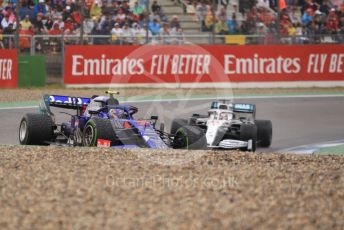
99	121
230	126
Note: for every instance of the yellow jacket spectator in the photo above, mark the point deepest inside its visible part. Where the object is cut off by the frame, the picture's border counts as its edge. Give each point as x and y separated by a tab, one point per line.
221	27
210	19
25	23
292	30
96	11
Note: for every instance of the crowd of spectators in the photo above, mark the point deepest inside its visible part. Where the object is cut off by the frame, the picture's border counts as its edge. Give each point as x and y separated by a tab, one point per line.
300	21
110	21
127	21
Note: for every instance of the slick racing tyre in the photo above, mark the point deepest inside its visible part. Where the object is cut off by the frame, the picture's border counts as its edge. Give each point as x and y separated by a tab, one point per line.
177	123
194	117
264	134
95	129
189	137
249	132
36	129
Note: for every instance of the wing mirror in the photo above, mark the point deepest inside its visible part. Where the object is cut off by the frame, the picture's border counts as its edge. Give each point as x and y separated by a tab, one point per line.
93	111
154	117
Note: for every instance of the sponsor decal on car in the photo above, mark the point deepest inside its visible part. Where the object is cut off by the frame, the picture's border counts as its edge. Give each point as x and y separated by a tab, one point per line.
103	143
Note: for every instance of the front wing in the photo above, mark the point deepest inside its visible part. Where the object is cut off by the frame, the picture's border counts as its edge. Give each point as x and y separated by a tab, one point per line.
233	144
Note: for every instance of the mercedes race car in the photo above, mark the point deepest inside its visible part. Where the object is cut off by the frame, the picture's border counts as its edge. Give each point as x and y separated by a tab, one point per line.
229	126
99	121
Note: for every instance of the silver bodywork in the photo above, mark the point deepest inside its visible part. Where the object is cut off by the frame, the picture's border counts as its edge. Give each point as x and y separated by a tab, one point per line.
219	122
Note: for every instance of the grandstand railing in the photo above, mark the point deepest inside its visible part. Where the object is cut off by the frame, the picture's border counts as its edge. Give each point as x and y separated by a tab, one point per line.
55	43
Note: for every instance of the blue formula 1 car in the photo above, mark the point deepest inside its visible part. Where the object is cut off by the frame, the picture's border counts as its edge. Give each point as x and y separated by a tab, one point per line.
99	121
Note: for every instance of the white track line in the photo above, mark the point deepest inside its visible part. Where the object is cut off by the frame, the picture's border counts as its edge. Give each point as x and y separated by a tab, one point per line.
207	98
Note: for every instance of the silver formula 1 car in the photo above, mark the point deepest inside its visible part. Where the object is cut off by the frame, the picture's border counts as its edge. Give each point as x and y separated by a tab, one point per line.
229	126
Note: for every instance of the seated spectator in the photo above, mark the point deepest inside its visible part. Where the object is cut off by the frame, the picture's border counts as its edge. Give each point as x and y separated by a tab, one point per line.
137	9
67	12
24	38
265	16
179	37
156	7
222	13
55	14
154	27
8	41
117	34
55	30
210	20
175	22
68	24
253	15
332	22
38	24
307	17
25	10
140	34
49	22
165	34
40	8
11	16
132	18
121	15
60	22
5	22
88	25
26	23
127	35
293	15
95	11
221	27
232	24
325	7
201	11
262	32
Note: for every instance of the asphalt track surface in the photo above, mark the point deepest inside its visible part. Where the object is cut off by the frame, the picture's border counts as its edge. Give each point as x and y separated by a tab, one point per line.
296	121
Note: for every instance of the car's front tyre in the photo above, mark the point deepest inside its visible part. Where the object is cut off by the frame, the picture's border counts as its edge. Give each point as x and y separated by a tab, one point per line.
189	137
96	129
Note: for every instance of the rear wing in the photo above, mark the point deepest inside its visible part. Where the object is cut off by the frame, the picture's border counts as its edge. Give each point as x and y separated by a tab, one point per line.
244	108
66	102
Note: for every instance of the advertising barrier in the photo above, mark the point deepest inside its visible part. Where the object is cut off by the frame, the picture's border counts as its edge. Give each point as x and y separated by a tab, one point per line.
8	68
198	66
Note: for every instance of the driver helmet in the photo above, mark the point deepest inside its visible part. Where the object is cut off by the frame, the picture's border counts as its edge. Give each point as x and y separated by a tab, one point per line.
224	116
116	113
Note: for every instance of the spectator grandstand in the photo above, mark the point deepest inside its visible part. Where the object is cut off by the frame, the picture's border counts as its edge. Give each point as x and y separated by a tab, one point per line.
126	22
294	21
129	21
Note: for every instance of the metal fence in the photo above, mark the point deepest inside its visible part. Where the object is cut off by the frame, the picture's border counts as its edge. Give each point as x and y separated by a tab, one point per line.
52	46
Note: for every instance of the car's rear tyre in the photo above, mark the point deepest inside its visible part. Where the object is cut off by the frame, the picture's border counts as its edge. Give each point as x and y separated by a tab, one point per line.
36	129
249	132
189	137
177	123
264	134
96	129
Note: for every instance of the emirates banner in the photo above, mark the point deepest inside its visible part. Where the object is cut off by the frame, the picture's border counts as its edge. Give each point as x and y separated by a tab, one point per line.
205	64
8	68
